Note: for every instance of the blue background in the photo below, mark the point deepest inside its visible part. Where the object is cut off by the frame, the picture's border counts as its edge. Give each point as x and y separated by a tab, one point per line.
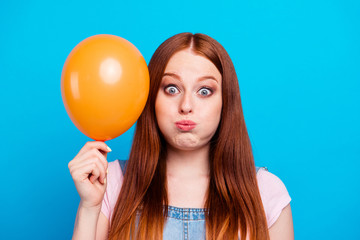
298	67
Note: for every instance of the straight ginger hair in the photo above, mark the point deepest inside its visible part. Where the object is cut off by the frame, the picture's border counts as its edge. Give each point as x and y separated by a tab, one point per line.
233	201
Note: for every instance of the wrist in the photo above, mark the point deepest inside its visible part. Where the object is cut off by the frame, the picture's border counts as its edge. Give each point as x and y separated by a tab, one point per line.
86	221
90	208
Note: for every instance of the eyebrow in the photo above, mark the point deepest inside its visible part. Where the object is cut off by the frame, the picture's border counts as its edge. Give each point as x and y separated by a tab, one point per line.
174	75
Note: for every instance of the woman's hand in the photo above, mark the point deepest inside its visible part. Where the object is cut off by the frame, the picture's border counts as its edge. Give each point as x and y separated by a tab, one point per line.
88	170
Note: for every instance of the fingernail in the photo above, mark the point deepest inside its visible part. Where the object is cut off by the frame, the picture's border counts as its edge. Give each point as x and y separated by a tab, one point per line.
104	180
109	149
107	171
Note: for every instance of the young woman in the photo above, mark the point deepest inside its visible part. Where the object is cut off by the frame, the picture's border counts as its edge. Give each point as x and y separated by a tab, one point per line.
191	173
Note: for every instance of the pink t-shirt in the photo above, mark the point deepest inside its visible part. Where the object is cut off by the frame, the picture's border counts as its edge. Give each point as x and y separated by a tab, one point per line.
274	194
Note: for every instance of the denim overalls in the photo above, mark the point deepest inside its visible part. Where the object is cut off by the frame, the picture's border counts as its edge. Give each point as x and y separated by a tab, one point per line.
183	223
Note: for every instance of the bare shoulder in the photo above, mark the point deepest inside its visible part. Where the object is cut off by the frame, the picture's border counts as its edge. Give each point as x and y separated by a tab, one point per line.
283	228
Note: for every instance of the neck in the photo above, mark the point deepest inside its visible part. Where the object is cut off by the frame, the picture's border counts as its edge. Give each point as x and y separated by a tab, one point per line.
194	163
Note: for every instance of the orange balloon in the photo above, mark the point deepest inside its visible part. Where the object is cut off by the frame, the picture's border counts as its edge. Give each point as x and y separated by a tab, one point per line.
104	86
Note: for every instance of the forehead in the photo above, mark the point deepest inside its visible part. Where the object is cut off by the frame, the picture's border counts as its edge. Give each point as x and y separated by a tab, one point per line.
186	63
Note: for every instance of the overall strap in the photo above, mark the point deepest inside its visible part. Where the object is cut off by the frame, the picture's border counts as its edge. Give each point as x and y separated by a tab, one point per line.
123	164
258	168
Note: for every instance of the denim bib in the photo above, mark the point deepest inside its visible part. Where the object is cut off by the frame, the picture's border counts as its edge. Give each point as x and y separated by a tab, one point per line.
183	223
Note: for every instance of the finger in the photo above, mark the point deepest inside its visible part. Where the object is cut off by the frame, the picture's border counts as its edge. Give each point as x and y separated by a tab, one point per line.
102	171
94	144
82	173
91	169
94	175
88	156
91	152
99	184
102	158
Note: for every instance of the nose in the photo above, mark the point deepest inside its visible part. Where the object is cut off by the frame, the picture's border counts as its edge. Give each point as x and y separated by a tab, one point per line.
186	105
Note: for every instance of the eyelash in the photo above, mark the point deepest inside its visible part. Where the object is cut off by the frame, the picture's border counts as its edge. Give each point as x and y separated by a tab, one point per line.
207	88
203	87
168	86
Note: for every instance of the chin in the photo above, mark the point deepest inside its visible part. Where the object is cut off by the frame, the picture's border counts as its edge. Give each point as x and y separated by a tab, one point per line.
186	142
186	148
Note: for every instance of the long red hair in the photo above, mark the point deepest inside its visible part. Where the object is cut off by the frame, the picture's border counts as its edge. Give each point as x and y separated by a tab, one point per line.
233	199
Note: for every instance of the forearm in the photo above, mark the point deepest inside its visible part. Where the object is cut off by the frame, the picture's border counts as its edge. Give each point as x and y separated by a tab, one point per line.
86	223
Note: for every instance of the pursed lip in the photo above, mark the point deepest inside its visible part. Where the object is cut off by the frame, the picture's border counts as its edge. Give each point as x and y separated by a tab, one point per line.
185	125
